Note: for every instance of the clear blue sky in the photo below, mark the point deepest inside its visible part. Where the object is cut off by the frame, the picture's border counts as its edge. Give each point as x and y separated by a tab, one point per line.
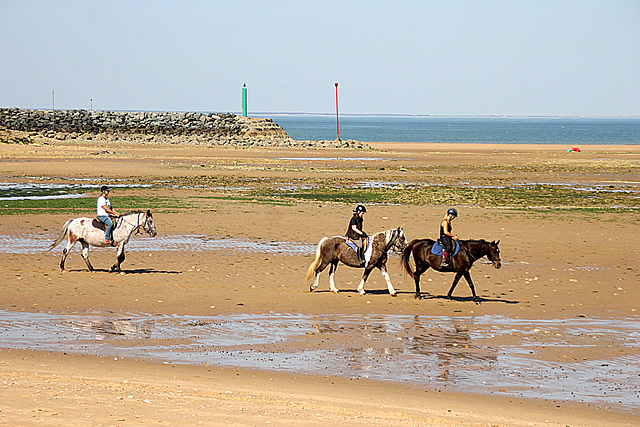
476	57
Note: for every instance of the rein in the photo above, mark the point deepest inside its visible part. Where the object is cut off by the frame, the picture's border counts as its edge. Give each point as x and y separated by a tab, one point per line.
476	259
471	255
136	227
392	240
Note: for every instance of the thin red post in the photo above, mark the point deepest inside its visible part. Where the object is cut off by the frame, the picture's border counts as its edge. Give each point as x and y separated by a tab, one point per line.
53	106
337	119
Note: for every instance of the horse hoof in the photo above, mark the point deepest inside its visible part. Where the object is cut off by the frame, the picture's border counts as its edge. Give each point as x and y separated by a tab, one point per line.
417	296
336	291
395	294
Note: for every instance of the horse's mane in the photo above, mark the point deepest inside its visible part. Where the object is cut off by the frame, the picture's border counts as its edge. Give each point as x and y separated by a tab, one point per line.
387	235
478	242
136	212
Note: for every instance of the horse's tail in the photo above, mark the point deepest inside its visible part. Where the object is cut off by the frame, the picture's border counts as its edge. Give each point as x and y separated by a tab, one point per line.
61	236
404	259
316	262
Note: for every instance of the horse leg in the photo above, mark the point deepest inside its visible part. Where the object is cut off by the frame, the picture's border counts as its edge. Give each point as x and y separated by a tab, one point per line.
65	253
420	269
119	259
316	280
332	272
467	277
365	276
453	285
387	278
85	254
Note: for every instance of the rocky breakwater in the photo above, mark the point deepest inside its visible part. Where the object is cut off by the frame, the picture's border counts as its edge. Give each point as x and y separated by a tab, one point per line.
155	127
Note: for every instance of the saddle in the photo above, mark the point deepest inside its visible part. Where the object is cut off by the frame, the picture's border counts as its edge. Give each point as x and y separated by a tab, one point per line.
102	226
353	246
99	225
437	248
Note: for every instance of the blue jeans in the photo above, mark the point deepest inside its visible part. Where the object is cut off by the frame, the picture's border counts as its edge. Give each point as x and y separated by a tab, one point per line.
108	235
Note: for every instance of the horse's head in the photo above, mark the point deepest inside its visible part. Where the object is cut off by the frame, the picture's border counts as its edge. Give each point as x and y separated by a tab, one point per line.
493	253
149	225
399	241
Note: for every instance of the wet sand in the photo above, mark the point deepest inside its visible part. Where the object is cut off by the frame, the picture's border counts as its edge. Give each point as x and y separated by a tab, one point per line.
557	264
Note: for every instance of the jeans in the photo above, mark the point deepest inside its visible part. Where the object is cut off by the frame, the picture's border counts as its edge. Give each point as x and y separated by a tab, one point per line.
108	235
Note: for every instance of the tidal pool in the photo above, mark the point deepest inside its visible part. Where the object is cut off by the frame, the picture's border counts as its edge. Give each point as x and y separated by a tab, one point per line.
48	191
38	243
483	354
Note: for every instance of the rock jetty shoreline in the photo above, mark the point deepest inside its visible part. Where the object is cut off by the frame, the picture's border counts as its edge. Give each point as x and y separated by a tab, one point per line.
217	129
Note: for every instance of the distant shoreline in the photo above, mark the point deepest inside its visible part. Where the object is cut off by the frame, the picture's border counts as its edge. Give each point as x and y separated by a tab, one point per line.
497	147
444	116
265	114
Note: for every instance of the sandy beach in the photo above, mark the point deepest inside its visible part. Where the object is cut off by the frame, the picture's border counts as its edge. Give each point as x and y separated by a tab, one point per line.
563	263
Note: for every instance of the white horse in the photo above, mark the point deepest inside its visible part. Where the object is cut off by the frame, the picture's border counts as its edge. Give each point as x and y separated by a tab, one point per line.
90	231
332	250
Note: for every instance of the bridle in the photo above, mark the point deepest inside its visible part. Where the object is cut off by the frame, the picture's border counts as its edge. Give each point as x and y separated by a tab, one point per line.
476	259
136	227
393	242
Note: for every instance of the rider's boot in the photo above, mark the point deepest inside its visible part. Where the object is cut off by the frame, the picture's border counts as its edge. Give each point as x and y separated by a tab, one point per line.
445	259
361	256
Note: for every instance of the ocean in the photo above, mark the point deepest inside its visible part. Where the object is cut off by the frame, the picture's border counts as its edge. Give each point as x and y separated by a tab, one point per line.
573	131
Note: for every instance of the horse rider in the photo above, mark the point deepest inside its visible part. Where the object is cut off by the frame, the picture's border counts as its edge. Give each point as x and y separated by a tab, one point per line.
447	237
355	232
105	212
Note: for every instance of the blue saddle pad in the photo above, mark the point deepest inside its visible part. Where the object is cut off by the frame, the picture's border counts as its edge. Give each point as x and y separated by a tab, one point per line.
437	249
351	245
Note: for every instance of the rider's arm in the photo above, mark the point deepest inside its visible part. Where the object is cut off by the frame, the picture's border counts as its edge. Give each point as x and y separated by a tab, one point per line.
110	211
354	228
445	227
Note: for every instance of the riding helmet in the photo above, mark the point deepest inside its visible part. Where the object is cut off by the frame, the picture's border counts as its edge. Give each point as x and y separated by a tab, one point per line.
105	188
453	212
360	208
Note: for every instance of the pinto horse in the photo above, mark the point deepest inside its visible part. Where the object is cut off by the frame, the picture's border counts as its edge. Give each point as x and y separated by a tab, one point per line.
90	231
470	251
332	250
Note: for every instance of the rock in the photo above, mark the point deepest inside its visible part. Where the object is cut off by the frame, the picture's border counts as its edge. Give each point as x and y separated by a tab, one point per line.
180	128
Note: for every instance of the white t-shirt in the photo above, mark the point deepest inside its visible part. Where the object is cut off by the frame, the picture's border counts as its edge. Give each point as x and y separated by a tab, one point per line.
103	200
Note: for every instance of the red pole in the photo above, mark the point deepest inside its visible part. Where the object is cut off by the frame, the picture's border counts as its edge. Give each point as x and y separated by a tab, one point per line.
337	119
53	106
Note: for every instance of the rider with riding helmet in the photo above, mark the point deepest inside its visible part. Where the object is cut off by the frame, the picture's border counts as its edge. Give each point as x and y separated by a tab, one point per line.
355	231
104	213
447	237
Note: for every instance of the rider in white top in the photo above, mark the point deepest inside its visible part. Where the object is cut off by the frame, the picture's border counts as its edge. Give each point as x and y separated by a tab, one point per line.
104	212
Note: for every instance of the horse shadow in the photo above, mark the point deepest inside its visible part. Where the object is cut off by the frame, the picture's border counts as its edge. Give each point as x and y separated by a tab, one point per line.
428	296
132	271
355	291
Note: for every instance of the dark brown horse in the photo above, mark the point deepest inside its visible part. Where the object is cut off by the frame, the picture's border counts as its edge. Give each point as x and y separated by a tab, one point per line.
332	250
470	251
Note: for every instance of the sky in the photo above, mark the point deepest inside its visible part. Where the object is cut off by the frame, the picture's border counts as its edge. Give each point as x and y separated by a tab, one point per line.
449	57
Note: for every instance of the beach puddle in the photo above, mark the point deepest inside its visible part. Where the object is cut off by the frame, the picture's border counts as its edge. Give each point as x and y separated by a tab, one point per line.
37	243
484	354
45	191
364	159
